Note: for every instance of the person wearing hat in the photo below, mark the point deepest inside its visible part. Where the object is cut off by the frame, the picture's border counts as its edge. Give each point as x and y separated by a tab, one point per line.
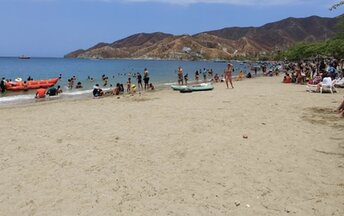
133	89
228	74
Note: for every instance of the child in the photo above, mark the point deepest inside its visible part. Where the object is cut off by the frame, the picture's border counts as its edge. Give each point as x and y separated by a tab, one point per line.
151	87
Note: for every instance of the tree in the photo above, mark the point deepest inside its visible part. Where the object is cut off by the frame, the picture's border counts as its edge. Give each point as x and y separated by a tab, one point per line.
340	27
335	6
335	48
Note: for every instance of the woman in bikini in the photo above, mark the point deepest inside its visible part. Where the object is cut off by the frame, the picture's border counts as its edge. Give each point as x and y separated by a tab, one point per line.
228	75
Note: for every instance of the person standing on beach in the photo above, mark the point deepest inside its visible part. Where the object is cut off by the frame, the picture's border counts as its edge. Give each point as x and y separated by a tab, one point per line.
186	78
196	76
146	78
228	75
129	85
180	76
139	81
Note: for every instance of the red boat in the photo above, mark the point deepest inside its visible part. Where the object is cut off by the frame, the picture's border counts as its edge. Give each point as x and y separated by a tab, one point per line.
32	84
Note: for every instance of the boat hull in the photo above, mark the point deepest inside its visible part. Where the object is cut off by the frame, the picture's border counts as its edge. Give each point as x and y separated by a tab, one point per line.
198	87
32	84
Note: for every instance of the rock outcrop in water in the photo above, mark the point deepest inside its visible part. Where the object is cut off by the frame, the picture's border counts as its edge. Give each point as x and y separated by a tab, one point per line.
219	44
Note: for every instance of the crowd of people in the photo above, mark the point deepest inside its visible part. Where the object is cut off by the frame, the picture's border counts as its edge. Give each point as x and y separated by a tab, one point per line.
323	73
143	84
317	75
310	72
131	87
208	75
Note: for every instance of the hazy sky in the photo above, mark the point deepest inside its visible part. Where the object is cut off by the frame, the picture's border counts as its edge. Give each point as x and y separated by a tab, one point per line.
56	27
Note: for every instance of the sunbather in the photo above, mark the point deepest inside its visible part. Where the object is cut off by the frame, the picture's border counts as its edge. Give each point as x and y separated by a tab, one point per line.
287	78
240	76
317	79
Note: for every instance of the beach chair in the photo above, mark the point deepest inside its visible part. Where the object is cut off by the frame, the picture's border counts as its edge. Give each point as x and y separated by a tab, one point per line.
328	85
312	88
339	83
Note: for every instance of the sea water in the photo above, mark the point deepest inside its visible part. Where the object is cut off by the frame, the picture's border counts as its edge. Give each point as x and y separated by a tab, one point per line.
161	72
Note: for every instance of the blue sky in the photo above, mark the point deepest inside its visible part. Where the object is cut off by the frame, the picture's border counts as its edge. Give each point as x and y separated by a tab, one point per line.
53	28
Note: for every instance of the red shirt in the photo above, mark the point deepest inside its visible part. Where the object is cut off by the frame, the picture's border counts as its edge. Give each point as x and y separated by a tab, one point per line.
40	93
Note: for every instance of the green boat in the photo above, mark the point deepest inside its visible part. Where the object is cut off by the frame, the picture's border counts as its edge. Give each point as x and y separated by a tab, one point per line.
195	87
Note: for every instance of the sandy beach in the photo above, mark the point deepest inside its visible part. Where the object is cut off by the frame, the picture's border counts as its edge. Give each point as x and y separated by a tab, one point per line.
166	153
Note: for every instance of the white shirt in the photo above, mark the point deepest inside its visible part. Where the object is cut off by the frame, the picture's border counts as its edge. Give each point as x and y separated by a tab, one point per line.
327	81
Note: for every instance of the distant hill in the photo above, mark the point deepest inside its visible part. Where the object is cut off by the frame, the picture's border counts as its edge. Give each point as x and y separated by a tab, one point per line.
219	44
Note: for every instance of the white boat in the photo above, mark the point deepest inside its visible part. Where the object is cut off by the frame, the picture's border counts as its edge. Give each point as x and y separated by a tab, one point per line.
194	87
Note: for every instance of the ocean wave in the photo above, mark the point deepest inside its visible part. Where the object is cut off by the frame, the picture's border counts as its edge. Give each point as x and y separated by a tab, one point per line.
168	84
16	98
77	92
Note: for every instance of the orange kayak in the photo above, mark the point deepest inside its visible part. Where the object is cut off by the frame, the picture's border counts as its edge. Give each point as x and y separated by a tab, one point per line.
32	84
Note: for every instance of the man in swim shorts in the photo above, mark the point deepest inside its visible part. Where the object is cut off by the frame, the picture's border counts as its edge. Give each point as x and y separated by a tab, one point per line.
180	76
145	78
139	81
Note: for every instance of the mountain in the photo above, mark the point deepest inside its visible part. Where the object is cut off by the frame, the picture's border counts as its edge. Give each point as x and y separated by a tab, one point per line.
219	44
285	32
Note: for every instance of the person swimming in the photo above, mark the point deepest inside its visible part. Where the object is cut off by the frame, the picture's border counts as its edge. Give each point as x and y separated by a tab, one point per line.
78	85
151	86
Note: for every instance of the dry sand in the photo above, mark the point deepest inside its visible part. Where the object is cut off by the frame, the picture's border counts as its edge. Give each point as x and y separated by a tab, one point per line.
166	153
